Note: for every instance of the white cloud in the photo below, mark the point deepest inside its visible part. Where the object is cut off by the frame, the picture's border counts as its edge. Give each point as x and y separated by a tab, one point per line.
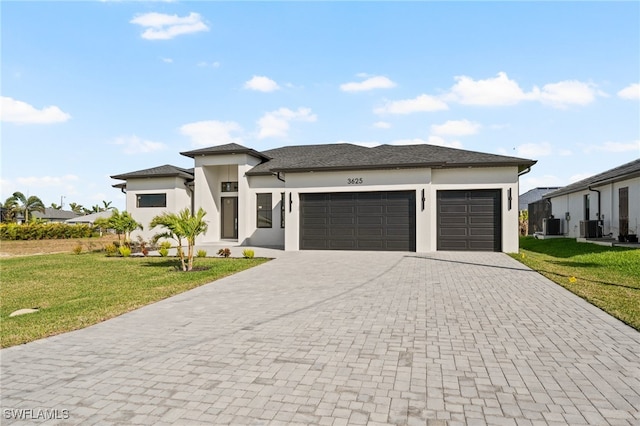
616	147
13	111
208	133
422	103
456	128
528	182
492	91
432	140
203	64
160	26
46	181
135	145
261	84
501	90
382	125
564	93
631	92
167	60
276	123
371	83
534	150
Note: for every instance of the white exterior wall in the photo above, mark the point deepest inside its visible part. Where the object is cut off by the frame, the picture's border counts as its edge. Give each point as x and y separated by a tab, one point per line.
372	180
264	237
178	197
209	173
571	206
503	178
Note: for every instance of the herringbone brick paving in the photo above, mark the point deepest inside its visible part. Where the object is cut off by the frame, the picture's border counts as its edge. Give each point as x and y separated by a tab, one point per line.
335	338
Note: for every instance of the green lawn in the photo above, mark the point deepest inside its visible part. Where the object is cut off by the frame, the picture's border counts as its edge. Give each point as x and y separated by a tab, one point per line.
75	291
608	277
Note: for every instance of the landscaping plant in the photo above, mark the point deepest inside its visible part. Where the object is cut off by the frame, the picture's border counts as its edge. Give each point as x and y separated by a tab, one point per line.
183	225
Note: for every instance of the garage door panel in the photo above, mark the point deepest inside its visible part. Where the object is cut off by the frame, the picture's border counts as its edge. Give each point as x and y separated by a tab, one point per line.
455	220
454	209
342	220
369	232
454	232
361	220
469	220
371	220
370	210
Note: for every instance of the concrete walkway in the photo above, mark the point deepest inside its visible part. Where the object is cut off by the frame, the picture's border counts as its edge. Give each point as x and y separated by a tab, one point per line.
335	338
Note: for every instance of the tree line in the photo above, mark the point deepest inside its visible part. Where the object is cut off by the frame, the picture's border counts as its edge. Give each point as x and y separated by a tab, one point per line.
19	204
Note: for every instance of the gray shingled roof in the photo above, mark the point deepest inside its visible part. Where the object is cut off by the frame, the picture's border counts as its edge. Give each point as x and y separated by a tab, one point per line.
352	157
230	148
161	171
625	171
54	214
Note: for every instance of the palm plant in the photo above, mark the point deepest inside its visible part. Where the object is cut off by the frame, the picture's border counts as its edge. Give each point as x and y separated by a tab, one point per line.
27	205
182	225
123	223
76	208
9	210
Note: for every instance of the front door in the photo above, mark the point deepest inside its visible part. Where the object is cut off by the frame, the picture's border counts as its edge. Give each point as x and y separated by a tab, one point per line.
229	218
623	200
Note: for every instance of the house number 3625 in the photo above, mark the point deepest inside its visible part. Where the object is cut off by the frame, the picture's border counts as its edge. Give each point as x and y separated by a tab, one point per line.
355	181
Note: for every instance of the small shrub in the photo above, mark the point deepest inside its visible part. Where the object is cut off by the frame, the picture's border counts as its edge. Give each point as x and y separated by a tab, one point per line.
164	252
201	253
165	245
125	251
248	253
111	249
225	252
77	249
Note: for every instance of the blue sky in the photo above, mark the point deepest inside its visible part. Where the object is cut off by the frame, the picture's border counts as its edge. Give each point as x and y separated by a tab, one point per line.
92	89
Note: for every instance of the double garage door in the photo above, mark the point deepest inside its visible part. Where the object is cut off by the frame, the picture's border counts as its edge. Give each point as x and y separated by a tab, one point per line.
466	220
358	221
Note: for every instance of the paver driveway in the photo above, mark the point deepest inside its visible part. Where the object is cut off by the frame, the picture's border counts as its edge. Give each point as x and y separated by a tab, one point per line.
342	338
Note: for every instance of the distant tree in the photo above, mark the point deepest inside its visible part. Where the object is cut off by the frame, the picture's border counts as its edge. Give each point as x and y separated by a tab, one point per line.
27	205
123	223
107	206
76	208
9	210
55	206
182	225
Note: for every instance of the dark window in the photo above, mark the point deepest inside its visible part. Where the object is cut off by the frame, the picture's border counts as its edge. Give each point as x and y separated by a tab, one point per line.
282	210
264	210
152	200
229	186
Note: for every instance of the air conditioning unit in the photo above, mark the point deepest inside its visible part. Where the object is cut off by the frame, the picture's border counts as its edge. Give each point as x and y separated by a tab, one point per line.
551	226
591	228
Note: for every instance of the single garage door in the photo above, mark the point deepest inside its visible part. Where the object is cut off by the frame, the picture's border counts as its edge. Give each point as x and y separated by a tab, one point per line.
358	221
469	220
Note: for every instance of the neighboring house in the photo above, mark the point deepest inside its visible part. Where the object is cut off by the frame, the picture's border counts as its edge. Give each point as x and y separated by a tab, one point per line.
51	215
89	219
534	195
607	204
340	197
537	209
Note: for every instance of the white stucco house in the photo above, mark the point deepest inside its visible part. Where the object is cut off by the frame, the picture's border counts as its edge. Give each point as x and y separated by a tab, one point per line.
339	197
607	204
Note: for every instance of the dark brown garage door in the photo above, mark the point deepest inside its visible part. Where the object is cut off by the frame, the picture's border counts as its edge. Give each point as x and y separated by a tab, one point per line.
358	221
469	220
